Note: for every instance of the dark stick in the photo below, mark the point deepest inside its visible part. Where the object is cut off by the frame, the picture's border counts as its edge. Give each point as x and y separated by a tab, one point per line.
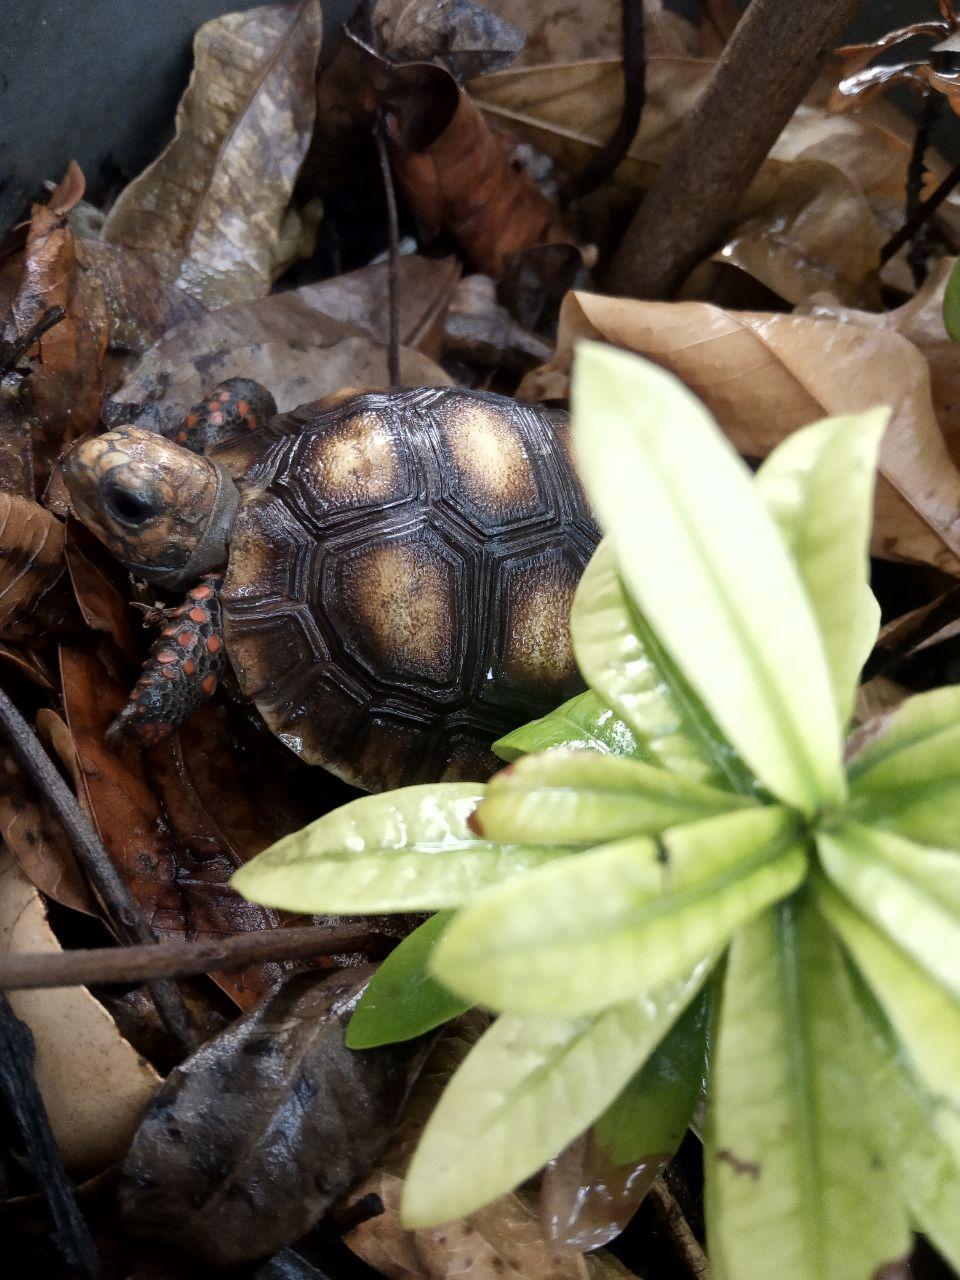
393	268
18	1084
102	966
634	97
920	248
93	857
11	352
768	65
923	214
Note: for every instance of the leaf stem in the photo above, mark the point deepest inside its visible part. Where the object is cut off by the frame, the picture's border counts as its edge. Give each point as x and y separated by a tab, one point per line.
393	261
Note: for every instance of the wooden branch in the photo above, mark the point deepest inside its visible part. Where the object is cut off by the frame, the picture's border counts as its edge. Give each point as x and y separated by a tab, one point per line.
763	74
105	965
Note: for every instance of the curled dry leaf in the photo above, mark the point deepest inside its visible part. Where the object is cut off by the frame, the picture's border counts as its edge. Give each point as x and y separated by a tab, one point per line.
503	1239
94	1085
254	1137
211	207
458	174
557	31
68	359
303	344
33	591
763	376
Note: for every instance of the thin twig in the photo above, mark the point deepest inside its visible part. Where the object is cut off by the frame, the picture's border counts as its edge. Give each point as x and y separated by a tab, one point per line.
103	966
393	263
10	352
923	214
634	97
19	1087
672	1216
770	62
104	878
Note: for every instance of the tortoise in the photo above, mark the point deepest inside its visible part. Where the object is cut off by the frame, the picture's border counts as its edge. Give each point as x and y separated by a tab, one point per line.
390	576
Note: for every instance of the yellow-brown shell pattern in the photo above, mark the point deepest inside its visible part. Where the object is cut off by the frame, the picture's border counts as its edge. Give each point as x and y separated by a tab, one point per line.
400	580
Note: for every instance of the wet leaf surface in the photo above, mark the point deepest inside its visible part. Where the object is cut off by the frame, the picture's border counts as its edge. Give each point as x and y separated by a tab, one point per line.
253	1138
33	591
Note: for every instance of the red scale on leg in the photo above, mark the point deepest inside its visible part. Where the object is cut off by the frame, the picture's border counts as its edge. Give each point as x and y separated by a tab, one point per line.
181	671
239	404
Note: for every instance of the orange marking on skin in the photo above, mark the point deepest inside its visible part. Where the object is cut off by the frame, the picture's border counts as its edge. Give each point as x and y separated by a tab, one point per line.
213	644
169	631
223	397
189	667
216	418
134	696
187	639
243	408
166	655
181	437
201	593
252	422
208	684
169	673
197	615
191	420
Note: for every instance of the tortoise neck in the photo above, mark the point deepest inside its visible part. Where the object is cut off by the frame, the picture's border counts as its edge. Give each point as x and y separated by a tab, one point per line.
211	551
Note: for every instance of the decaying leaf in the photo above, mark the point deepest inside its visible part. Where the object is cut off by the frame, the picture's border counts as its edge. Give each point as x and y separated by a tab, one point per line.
94	1085
557	32
303	344
38	843
762	376
33	594
503	1239
466	37
253	1138
212	205
67	361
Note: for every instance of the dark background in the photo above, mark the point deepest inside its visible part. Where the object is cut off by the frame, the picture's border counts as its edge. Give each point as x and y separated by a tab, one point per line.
98	81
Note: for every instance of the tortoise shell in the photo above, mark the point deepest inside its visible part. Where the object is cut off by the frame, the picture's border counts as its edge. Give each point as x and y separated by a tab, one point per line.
400	579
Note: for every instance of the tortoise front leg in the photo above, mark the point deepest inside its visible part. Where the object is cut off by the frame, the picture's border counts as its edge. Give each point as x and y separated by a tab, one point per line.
181	671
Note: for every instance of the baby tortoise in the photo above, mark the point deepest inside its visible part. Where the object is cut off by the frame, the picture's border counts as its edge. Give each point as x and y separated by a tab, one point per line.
390	577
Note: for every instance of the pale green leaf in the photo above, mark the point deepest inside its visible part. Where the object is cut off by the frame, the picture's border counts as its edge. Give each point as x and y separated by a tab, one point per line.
598	927
622	660
928	1165
924	1017
584	723
529	1087
800	1184
406	850
907	780
911	891
708	568
581	797
818	485
650	1115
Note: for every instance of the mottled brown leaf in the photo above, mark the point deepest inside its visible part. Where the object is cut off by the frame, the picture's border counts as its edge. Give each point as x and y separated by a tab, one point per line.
586	1199
466	37
212	205
33	589
302	344
253	1138
763	376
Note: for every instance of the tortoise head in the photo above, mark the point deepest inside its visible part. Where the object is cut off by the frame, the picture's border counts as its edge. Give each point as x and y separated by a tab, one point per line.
164	512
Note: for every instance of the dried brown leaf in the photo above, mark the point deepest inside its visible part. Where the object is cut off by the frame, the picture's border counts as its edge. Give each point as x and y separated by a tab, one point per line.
94	1085
64	385
68	192
38	843
302	344
562	31
459	175
763	376
466	37
211	206
254	1137
33	590
504	1239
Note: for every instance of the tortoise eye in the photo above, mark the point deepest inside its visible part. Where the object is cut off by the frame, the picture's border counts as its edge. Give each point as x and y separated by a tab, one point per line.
130	506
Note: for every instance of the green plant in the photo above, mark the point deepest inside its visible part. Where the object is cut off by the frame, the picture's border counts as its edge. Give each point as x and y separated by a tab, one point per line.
687	832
